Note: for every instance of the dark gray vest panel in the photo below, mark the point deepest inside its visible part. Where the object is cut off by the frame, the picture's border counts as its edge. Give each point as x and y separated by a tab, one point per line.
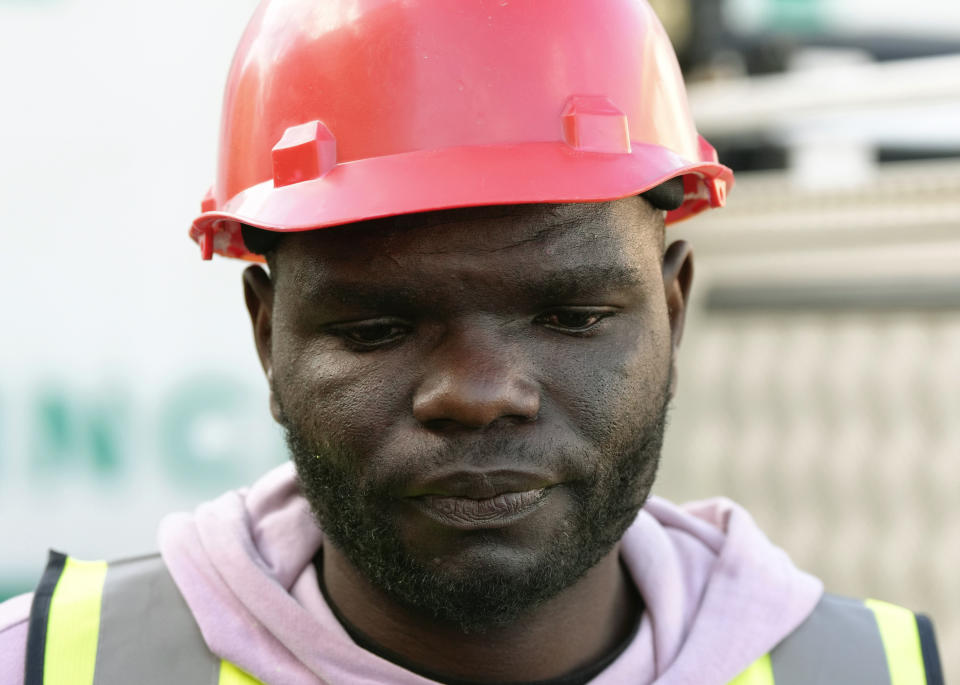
838	643
147	633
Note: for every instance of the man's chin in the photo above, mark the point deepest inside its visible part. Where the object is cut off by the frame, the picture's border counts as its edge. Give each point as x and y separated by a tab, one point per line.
481	586
480	557
474	581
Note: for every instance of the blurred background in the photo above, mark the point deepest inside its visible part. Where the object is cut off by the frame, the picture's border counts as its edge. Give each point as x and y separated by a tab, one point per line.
820	375
820	371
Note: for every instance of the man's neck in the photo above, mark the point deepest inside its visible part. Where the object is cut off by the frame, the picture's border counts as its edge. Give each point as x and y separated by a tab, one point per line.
576	628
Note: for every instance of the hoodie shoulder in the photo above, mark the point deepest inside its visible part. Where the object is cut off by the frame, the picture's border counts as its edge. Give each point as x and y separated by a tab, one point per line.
14	622
719	594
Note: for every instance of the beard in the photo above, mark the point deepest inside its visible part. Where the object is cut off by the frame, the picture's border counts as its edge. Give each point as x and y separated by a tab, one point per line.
357	516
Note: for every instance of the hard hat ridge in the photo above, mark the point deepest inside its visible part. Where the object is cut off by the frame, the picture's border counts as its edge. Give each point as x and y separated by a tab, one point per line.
337	112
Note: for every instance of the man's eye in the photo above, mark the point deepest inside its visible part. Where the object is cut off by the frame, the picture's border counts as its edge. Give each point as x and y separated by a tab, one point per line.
372	334
573	320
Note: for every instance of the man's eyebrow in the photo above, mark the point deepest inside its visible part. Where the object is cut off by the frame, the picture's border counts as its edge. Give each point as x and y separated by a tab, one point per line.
584	280
552	286
358	294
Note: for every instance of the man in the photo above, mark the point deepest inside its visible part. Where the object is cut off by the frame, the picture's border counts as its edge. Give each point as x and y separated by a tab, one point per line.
473	361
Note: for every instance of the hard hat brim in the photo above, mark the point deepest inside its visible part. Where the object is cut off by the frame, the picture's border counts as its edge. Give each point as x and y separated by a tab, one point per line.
526	173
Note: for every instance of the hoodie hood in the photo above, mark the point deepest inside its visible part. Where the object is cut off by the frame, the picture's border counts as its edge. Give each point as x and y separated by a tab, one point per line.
718	594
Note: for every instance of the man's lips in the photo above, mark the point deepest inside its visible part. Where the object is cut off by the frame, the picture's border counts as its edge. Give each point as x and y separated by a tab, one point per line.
473	514
472	500
480	483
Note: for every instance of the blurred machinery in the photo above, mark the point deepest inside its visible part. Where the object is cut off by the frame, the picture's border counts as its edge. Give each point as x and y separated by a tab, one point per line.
796	56
763	36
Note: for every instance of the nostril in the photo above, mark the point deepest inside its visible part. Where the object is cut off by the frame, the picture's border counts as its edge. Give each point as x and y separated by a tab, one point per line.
450	426
441	425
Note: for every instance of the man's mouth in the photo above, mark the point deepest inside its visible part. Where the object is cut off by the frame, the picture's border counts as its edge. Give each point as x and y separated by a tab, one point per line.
472	500
473	514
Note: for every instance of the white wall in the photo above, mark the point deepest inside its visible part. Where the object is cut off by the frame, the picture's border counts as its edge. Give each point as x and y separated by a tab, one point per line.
128	381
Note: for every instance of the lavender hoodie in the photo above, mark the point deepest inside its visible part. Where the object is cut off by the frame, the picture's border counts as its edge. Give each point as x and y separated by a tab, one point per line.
718	594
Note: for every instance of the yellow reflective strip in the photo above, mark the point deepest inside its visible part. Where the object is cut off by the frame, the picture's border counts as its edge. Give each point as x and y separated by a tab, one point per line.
901	642
73	625
760	672
231	675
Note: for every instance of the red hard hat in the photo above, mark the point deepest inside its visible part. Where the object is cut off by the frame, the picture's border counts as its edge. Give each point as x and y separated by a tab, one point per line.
343	110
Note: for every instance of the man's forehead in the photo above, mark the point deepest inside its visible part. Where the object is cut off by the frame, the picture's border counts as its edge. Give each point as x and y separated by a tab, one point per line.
629	225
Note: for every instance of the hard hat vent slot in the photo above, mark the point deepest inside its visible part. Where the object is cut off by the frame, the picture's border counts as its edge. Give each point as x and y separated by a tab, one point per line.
594	124
305	152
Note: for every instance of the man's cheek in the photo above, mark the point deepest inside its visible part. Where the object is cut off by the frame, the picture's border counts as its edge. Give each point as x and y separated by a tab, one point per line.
610	406
326	393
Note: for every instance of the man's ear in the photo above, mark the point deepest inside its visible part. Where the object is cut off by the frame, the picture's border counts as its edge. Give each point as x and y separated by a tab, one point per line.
258	294
677	280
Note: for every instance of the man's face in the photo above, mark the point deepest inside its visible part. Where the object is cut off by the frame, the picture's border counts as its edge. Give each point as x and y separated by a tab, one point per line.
474	399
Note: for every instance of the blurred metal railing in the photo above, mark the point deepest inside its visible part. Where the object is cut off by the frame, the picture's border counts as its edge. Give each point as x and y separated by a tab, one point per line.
762	103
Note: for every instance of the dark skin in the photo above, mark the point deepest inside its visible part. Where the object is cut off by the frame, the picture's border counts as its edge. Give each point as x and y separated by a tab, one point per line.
550	326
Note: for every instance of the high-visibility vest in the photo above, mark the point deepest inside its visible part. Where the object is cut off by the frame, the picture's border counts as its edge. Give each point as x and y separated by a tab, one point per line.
94	623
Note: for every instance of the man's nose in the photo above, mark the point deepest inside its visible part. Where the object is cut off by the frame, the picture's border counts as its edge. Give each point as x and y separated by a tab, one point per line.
472	381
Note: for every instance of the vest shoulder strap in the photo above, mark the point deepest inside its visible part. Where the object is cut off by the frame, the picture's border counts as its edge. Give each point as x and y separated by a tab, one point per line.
94	623
853	642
